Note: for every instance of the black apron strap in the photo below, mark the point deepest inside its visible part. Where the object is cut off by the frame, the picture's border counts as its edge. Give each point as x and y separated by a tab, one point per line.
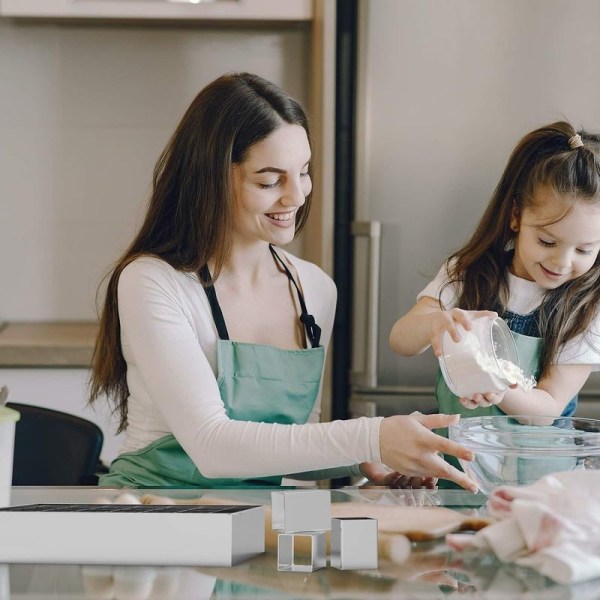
211	294
313	331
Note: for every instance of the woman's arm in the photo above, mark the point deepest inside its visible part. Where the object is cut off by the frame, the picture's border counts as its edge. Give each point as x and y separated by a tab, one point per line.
167	361
170	366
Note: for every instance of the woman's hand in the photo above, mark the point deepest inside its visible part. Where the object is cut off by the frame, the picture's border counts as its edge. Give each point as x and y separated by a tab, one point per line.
448	320
380	474
408	445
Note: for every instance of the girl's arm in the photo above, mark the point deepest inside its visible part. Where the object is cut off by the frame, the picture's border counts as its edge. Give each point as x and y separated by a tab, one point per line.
552	394
423	325
411	334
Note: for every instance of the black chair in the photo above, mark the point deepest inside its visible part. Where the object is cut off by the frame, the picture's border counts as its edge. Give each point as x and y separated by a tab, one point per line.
54	448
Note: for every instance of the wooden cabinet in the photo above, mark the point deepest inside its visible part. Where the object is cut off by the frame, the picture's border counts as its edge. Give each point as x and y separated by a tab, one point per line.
203	10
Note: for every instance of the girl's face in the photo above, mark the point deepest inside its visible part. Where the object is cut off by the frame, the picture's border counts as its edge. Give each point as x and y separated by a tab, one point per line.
550	251
270	185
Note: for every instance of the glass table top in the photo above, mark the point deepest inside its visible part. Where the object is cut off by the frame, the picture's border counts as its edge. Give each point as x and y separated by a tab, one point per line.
431	570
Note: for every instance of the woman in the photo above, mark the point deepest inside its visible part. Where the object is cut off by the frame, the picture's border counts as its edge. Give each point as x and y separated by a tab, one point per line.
212	339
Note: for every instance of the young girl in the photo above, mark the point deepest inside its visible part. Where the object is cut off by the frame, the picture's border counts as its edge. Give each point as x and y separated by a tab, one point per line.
212	339
533	260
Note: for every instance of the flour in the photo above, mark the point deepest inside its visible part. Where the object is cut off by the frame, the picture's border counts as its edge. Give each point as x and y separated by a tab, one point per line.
473	369
515	375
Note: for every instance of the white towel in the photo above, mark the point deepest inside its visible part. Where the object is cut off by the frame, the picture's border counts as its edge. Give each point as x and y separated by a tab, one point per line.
552	526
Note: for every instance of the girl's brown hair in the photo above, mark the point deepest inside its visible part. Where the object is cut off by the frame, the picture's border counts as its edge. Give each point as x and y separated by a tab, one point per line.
188	221
480	268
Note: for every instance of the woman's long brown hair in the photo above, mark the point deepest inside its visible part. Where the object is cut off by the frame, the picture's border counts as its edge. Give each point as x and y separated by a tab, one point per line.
188	221
480	268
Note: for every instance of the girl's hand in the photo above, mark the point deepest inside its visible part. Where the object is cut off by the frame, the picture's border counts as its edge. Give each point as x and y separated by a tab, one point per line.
380	474
448	320
407	445
485	400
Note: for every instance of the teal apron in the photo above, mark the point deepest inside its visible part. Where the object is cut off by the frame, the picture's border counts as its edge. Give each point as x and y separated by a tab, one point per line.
257	383
529	350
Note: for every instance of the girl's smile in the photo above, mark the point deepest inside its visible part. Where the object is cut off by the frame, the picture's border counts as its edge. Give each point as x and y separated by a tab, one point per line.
552	275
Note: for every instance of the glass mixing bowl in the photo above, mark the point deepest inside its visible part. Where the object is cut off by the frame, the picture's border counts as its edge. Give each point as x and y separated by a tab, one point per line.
519	450
481	361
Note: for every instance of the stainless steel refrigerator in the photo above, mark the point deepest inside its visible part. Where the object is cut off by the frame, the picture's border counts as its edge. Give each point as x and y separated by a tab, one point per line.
443	90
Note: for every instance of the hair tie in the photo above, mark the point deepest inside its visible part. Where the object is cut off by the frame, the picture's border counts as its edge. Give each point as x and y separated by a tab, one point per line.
575	142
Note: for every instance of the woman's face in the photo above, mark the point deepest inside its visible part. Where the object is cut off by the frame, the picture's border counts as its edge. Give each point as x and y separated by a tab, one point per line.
270	185
551	250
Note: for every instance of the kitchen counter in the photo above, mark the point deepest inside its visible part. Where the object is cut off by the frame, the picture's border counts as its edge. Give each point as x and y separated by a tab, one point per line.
432	570
49	344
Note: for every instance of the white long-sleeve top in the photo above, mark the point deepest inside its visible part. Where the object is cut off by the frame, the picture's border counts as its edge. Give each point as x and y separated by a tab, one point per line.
169	342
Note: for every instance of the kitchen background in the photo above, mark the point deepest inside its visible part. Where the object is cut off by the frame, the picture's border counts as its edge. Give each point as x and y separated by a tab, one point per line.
444	90
90	91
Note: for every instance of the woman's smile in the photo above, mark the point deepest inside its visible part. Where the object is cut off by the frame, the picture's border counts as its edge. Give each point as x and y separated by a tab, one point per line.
282	219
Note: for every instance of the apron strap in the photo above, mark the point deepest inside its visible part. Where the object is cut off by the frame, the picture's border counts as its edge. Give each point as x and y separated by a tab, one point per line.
217	313
313	331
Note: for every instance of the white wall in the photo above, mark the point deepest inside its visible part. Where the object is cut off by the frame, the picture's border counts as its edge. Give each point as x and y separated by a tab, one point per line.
85	111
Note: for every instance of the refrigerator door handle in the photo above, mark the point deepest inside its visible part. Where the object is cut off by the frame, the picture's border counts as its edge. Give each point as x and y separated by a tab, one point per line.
371	230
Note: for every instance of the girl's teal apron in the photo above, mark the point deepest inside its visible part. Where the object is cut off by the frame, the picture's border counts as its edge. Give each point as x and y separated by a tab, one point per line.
257	383
525	331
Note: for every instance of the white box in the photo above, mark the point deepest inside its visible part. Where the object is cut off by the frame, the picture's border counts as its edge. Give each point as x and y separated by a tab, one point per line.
353	543
8	418
286	560
107	534
301	510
